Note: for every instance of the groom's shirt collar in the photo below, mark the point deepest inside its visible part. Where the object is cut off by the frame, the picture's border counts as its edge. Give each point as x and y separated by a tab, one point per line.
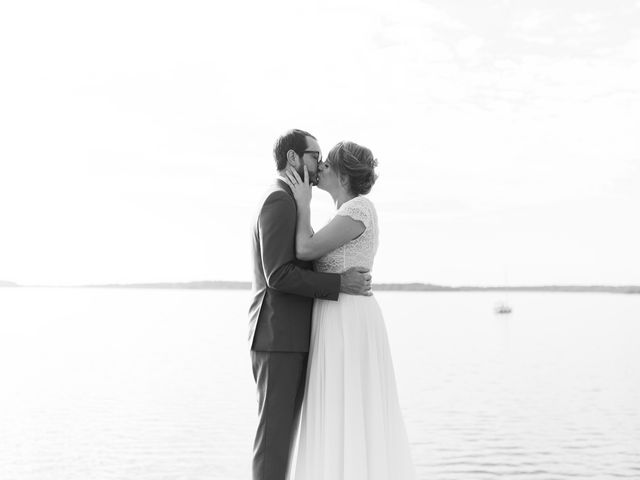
283	183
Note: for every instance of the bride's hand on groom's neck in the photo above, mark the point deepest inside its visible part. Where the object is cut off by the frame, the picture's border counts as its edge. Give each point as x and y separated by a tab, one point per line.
301	188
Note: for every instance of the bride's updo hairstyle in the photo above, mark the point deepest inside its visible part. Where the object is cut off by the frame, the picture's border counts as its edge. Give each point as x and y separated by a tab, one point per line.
355	163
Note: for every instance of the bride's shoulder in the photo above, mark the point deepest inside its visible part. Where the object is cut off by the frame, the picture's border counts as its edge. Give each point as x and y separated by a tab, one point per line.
362	201
358	208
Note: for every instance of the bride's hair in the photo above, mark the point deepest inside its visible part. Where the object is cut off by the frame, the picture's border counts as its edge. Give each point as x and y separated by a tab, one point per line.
356	163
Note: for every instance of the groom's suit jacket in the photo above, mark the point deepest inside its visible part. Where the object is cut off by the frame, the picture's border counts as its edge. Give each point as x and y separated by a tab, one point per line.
283	287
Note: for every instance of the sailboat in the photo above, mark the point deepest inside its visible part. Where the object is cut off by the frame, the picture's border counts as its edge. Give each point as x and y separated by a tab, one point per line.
503	307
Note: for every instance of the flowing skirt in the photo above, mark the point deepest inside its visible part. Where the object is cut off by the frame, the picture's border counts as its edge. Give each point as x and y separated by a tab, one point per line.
351	427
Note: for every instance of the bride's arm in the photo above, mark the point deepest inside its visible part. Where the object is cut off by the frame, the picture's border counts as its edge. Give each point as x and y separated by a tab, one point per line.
310	245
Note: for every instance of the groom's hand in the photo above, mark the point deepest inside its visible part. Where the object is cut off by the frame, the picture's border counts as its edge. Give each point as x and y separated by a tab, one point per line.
356	281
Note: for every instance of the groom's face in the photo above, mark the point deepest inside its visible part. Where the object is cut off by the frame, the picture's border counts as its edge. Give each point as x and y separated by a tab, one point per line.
311	157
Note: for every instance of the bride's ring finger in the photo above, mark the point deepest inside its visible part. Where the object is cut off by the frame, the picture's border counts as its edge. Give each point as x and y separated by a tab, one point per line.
290	177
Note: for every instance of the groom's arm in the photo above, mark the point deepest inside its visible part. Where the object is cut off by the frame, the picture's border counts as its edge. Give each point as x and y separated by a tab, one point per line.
277	230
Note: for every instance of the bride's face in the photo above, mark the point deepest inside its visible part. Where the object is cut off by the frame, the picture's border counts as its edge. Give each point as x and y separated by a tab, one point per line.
328	178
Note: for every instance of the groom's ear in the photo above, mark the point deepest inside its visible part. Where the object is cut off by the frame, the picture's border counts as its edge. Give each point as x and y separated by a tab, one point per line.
291	158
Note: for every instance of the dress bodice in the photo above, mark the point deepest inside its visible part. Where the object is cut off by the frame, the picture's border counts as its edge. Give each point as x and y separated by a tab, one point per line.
360	251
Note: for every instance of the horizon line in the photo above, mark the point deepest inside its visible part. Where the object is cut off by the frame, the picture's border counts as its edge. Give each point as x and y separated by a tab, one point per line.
406	286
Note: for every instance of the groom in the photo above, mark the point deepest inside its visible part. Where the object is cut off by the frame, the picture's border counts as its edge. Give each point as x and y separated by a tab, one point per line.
280	313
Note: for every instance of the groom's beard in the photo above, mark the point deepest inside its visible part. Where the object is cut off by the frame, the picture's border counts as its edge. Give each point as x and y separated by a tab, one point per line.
313	177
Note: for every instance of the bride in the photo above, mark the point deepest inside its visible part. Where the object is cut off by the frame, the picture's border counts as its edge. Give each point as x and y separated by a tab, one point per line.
351	427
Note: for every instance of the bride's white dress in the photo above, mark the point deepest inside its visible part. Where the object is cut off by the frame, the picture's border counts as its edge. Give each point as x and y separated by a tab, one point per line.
351	426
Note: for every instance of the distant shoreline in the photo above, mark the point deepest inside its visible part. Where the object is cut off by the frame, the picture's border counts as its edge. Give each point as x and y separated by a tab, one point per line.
402	287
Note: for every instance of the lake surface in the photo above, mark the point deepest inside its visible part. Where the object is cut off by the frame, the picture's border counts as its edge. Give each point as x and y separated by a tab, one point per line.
156	384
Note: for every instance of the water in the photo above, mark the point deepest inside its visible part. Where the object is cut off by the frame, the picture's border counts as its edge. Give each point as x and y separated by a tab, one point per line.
156	384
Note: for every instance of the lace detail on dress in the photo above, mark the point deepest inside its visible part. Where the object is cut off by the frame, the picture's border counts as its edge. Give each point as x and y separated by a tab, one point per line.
356	210
360	251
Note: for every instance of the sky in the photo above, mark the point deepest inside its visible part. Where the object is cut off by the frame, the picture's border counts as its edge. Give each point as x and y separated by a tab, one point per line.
136	137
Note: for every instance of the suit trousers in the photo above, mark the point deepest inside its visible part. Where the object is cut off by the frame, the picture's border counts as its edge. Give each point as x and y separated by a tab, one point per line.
280	379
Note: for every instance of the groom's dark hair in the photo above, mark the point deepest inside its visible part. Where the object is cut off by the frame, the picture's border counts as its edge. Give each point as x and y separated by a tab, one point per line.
295	140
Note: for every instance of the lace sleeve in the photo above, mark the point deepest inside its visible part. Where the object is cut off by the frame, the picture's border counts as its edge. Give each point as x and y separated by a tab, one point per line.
356	209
